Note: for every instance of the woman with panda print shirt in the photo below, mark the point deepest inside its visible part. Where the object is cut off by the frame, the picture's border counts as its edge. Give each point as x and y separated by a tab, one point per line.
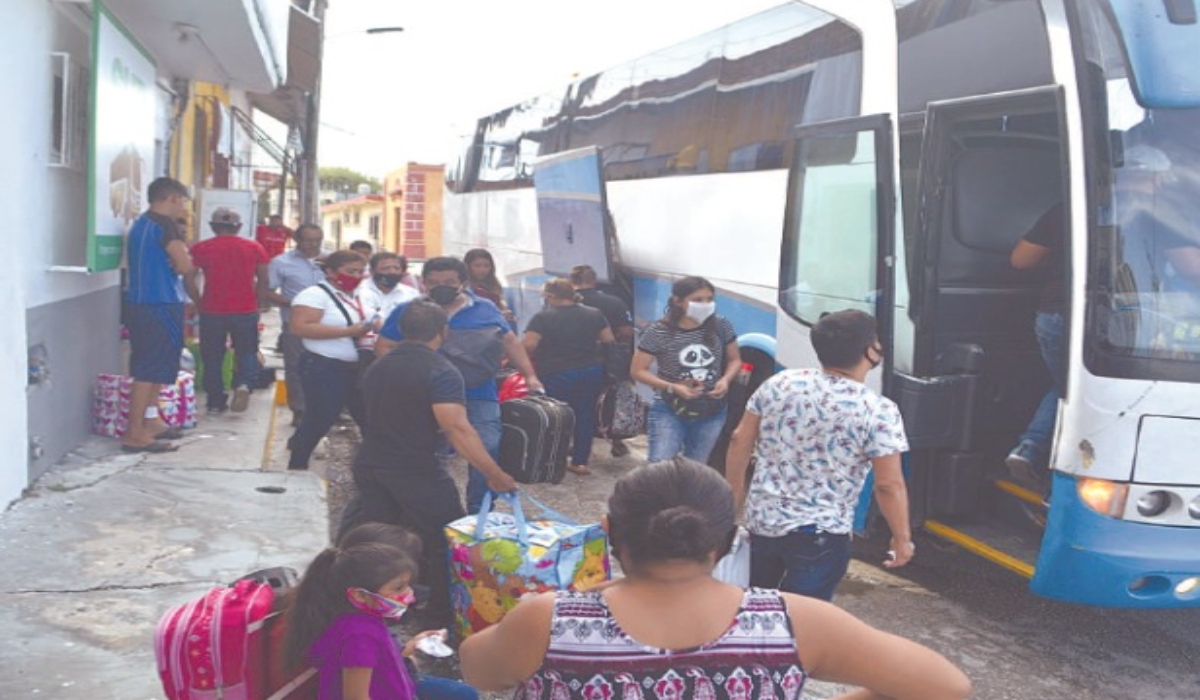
697	356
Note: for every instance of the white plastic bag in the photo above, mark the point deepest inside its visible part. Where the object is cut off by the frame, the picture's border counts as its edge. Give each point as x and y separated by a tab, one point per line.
734	567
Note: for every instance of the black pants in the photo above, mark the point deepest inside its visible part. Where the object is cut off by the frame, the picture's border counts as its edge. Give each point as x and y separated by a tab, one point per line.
424	501
329	386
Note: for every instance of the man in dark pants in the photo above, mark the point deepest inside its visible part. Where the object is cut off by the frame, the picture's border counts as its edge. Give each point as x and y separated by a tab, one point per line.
583	279
815	434
479	338
234	271
289	274
411	394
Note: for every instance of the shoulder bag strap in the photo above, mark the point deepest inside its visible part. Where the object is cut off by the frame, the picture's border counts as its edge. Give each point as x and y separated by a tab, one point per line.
337	301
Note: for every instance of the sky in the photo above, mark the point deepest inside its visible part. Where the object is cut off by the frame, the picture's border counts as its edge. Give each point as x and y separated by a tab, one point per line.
389	99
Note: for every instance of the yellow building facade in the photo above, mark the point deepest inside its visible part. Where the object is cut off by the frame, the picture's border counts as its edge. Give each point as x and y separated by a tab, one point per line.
356	219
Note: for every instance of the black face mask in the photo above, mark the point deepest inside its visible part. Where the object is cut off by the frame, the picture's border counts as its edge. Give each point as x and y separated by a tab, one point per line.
443	294
387	279
875	362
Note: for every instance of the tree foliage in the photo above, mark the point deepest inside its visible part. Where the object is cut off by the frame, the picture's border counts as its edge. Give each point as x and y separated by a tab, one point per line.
346	180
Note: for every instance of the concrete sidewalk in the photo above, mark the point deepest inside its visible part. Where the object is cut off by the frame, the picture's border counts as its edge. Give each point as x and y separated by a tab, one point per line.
105	542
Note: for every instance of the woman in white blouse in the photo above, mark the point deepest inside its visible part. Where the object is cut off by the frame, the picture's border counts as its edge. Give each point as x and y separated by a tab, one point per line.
329	319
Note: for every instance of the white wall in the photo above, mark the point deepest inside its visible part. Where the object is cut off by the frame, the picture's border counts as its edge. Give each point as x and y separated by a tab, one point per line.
25	38
45	226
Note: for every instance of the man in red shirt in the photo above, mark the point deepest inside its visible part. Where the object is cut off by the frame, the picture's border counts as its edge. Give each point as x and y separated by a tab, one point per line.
273	235
234	272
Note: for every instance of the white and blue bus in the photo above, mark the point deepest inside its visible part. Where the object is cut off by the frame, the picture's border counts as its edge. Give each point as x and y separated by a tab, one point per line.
887	156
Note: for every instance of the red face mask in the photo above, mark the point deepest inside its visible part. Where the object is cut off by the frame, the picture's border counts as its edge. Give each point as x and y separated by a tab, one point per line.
346	283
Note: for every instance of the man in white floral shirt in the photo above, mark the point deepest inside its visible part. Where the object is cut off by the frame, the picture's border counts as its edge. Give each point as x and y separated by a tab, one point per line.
815	435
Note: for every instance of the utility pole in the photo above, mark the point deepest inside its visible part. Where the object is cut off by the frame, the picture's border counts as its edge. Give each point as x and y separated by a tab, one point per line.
307	180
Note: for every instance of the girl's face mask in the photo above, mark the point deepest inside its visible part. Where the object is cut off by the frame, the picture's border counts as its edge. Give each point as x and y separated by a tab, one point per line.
381	606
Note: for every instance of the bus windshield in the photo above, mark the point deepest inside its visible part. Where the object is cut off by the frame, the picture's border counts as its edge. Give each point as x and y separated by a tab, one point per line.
1143	173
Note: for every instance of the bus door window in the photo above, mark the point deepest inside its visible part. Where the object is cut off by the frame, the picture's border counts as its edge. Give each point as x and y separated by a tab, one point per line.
831	240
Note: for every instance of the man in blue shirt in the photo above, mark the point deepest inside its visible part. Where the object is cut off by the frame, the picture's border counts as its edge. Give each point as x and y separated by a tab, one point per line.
289	274
157	258
479	338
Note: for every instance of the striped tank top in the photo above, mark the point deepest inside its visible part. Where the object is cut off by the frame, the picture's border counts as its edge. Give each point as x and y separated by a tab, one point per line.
591	657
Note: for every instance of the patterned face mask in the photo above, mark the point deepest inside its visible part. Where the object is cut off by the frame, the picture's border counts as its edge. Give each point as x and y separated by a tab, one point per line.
381	606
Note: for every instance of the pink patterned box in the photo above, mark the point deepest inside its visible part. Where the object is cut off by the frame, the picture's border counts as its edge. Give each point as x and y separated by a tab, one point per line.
110	405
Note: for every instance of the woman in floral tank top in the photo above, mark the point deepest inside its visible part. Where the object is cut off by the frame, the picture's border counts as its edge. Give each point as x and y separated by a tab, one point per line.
670	631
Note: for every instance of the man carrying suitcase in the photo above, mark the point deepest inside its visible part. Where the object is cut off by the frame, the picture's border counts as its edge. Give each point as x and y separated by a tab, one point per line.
411	394
477	341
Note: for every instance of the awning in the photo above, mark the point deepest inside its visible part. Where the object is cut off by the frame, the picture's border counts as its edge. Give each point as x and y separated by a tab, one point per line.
288	103
238	43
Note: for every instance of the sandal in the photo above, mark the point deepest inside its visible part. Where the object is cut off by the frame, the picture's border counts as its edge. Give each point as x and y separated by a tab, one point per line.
578	469
170	434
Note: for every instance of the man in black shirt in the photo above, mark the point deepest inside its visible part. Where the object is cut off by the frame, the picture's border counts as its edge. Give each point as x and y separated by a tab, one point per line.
583	278
412	394
1042	248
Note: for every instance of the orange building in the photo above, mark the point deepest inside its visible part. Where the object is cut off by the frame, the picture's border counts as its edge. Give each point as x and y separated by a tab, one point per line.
412	211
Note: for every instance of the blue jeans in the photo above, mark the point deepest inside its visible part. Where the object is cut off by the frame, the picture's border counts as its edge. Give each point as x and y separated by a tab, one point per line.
804	561
241	330
329	386
484	416
670	434
437	688
1051	335
579	388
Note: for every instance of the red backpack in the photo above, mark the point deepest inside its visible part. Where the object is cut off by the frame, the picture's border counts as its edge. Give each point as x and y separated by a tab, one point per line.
220	645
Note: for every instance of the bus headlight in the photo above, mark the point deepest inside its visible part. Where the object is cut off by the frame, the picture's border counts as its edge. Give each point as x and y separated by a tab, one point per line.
1194	508
1153	503
1104	497
1187	586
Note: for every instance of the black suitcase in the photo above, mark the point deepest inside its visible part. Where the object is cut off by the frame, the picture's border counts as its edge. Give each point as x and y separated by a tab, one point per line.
536	441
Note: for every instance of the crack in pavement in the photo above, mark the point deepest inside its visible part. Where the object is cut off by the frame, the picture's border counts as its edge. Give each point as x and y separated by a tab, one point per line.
104	588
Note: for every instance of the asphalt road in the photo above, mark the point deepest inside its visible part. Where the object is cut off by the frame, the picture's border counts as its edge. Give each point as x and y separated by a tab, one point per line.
1017	646
1013	644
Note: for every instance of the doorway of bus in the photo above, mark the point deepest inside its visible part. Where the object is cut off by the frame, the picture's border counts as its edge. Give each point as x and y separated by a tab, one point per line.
990	167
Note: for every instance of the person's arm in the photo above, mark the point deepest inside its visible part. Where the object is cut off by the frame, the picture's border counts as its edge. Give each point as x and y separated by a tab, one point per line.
306	323
277	299
261	289
639	370
530	341
1186	261
623	333
452	419
500	657
606	335
356	682
737	457
274	282
1027	256
733	365
518	358
892	496
181	263
840	648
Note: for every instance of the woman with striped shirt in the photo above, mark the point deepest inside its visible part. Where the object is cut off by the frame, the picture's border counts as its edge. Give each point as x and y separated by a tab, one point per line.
670	631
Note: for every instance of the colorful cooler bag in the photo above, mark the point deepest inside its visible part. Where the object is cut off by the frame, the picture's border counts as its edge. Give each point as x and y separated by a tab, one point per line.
497	558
